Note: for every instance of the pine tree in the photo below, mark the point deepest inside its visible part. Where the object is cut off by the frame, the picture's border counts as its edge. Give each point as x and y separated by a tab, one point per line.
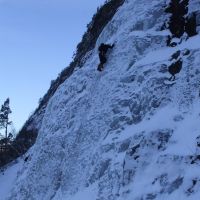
4	117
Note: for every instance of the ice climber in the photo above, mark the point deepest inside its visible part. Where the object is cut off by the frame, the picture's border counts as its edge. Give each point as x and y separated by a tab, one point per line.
103	48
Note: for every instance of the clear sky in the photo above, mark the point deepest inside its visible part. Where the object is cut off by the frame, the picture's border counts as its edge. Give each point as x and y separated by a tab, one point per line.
37	40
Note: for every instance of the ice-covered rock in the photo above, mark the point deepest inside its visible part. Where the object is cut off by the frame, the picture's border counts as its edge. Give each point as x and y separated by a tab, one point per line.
122	134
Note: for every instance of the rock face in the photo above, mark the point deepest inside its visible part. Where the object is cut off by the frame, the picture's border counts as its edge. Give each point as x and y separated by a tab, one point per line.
28	134
124	133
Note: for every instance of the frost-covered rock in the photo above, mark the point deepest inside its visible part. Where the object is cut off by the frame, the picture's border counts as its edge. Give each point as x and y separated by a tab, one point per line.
122	134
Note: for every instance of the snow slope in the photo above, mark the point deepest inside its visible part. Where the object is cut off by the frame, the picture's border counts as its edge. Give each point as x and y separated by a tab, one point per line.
8	177
123	134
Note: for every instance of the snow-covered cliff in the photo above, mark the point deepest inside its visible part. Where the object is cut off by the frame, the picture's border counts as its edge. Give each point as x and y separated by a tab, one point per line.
124	133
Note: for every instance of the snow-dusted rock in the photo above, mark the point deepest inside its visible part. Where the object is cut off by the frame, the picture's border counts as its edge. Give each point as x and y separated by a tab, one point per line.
122	134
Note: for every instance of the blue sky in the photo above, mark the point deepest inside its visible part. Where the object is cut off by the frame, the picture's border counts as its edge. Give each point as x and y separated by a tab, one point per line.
37	40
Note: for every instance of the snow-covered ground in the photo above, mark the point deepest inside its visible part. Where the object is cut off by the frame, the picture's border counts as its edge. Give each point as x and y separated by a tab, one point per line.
124	133
8	177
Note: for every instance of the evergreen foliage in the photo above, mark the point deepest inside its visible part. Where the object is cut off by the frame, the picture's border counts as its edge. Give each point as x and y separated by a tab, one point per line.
180	21
4	118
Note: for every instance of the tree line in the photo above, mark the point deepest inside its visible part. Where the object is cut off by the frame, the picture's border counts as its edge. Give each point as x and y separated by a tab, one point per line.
6	136
12	144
